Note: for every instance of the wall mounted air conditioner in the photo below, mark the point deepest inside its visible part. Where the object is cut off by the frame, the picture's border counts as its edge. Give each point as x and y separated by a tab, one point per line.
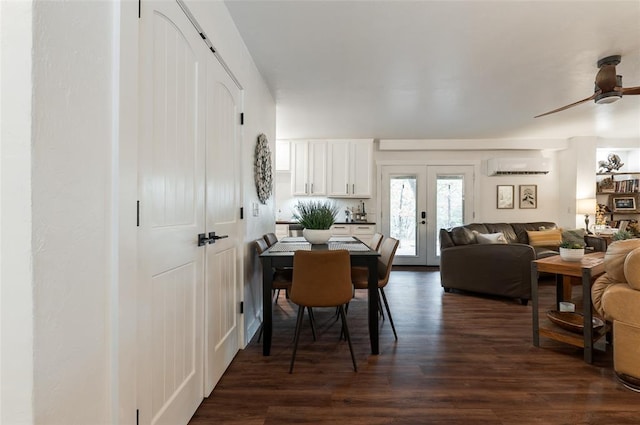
510	166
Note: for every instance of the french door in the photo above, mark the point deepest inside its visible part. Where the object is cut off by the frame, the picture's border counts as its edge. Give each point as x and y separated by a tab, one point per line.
419	200
188	293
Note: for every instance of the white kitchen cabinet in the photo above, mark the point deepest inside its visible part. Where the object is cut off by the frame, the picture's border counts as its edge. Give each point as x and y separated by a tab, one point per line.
283	155
349	167
363	231
309	167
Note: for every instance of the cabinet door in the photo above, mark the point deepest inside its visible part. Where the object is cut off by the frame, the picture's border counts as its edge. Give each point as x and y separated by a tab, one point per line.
363	232
299	167
338	168
361	164
317	168
283	155
340	230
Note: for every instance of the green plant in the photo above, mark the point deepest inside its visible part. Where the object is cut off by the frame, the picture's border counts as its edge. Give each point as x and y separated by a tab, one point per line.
316	214
622	235
571	245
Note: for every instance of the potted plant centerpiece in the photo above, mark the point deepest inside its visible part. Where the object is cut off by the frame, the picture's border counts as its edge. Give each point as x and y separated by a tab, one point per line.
316	218
571	251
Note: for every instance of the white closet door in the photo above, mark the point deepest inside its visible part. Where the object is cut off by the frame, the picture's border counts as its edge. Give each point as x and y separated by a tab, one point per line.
222	323
172	183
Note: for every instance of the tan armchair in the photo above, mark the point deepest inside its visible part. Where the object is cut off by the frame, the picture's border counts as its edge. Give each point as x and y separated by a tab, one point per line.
616	296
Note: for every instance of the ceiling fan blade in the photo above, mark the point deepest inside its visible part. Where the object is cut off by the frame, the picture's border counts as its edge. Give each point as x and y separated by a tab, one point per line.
631	90
568	106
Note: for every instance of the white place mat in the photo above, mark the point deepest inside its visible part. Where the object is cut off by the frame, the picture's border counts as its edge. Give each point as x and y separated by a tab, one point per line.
290	247
289	239
348	246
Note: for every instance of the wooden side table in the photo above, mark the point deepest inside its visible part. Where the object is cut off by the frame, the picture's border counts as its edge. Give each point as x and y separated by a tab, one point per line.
591	266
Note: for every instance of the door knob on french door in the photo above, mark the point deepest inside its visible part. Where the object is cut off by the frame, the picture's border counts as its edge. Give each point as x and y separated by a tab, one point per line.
213	238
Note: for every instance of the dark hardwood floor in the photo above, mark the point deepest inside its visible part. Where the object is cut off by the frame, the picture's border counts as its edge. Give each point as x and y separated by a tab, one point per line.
459	359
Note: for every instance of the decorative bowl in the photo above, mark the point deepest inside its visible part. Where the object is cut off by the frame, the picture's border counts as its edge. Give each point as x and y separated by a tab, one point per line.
316	236
570	254
572	321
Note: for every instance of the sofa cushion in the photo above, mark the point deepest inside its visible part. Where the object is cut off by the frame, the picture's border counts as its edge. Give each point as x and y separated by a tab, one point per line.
489	238
575	236
544	252
521	229
505	229
615	256
547	238
463	236
632	269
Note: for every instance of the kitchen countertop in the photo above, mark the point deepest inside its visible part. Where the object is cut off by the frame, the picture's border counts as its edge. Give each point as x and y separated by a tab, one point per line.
337	222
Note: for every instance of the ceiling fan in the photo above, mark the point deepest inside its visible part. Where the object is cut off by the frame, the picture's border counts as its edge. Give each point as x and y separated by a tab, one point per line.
608	85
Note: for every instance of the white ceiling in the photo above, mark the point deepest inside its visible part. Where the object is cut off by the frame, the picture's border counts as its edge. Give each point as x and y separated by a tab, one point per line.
400	69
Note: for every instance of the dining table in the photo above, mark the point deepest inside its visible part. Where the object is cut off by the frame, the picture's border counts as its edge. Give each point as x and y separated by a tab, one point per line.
280	255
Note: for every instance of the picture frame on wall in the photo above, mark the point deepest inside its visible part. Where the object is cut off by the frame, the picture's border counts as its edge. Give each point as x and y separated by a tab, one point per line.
528	196
626	203
504	197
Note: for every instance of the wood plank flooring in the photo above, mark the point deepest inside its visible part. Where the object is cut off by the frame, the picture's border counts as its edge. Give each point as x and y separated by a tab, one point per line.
459	359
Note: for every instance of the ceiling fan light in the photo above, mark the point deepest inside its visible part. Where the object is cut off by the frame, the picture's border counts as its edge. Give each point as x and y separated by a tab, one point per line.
609	97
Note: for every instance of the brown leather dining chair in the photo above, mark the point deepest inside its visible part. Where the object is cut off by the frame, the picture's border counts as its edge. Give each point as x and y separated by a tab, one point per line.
359	276
321	279
376	242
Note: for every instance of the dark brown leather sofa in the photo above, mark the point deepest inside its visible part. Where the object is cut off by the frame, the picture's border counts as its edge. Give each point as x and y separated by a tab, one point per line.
493	269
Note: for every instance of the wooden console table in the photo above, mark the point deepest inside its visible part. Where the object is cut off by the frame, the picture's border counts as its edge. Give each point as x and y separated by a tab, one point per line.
591	266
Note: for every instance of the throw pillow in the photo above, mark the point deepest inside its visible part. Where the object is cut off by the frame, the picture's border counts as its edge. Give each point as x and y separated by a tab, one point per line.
550	238
490	238
574	236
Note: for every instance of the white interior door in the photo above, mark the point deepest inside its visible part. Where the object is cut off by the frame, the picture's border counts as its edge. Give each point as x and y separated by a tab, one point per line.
404	200
171	281
223	324
450	203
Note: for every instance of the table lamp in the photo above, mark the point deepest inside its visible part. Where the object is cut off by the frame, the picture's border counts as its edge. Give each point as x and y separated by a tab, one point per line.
586	206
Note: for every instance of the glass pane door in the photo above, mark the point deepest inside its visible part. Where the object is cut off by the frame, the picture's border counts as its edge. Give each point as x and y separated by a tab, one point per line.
404	210
402	213
449	203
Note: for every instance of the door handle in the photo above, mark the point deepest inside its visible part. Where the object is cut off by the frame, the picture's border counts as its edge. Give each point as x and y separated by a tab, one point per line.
202	239
213	238
423	222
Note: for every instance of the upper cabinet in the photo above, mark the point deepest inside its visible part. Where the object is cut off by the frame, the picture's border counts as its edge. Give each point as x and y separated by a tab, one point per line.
308	167
349	167
283	155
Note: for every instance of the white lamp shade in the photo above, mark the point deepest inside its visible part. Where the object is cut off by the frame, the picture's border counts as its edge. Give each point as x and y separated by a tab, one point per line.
586	206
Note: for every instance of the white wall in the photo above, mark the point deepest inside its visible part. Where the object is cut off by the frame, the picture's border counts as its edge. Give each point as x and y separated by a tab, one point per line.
72	223
16	271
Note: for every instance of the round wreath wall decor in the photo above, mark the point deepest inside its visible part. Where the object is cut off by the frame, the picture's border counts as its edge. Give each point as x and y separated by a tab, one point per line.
263	174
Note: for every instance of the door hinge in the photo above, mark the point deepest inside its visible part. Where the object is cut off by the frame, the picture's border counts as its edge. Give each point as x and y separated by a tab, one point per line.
241	307
241	213
137	213
137	416
241	118
139	9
